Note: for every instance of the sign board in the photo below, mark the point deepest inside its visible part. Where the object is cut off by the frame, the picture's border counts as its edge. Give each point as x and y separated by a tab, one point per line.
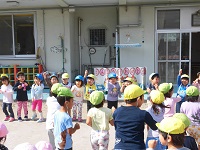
138	72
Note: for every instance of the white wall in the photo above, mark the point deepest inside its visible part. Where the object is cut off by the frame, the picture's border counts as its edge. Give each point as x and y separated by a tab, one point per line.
92	17
144	55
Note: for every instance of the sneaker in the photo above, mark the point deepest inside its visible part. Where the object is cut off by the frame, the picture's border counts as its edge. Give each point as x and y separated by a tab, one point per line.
34	116
20	119
7	118
74	119
80	120
40	120
26	118
11	119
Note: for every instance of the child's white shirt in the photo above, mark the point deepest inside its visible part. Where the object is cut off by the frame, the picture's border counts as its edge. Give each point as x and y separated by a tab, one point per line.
37	91
157	117
78	93
52	107
7	92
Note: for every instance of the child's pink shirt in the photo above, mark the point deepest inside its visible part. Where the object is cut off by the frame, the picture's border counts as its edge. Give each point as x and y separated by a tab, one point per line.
170	102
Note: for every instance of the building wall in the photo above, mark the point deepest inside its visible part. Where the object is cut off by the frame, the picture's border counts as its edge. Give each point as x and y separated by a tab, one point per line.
93	17
144	34
53	23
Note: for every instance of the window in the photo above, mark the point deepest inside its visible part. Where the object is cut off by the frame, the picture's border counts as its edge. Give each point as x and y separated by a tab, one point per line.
97	37
168	19
17	35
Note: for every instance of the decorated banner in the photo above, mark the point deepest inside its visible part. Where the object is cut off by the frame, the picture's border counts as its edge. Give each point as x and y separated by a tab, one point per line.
138	73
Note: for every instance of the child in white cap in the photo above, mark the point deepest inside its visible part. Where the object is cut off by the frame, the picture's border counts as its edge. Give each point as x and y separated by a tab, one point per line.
183	84
99	118
65	81
128	81
63	127
52	107
129	120
156	110
167	89
154	83
67	84
192	110
25	146
3	134
171	133
89	81
43	145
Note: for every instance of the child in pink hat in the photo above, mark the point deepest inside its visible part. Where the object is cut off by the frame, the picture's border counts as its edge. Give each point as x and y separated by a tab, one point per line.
43	145
3	134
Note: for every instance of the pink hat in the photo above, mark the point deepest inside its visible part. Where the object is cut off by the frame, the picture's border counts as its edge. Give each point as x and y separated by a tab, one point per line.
25	146
3	130
43	145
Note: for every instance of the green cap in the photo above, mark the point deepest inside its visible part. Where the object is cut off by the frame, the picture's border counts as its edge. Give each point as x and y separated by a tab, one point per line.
165	87
157	97
96	97
192	91
183	118
132	91
63	91
171	125
54	88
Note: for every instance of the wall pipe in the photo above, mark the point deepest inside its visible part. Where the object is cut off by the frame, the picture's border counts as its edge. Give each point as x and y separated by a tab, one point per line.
44	33
79	44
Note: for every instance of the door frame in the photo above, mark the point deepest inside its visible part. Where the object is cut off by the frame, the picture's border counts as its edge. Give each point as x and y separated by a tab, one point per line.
190	31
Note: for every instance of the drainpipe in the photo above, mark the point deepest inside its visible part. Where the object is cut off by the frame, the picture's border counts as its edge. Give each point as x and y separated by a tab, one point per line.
116	48
79	43
44	33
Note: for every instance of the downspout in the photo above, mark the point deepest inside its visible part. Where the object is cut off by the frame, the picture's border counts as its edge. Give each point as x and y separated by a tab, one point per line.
44	33
79	44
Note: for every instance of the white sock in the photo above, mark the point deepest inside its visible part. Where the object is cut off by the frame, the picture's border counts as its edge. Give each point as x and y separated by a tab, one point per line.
41	115
34	113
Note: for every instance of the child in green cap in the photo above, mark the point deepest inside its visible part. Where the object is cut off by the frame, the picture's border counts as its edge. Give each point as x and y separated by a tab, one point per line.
99	118
52	107
189	141
63	127
129	120
192	110
171	133
156	110
167	89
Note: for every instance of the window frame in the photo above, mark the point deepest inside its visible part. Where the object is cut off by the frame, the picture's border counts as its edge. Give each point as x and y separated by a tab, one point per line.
25	56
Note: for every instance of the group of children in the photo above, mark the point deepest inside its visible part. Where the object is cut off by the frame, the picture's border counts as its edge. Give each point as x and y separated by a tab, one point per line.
166	129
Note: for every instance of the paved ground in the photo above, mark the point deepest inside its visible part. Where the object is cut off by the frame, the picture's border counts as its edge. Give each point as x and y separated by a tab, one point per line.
32	132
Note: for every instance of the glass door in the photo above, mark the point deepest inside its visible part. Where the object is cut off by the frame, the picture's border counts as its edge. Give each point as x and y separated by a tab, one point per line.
195	53
168	56
173	51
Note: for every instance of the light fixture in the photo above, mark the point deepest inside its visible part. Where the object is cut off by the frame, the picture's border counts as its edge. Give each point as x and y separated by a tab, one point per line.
198	12
12	3
71	9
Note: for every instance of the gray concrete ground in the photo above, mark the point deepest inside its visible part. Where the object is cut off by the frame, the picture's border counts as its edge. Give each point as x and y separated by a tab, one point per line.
32	132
